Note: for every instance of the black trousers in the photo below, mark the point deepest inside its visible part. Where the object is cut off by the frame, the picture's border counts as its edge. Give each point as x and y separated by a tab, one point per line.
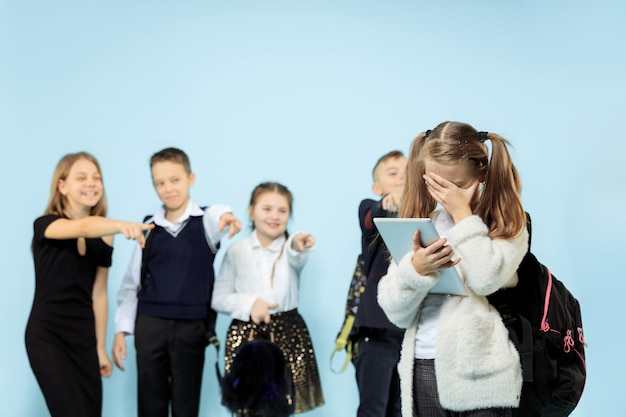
377	373
170	360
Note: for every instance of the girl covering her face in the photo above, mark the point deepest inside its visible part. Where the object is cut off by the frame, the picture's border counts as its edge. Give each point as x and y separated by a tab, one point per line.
457	356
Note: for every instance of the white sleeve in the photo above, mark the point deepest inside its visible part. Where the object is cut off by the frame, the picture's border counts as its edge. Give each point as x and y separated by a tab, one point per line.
126	311
297	259
487	264
402	290
211	222
225	298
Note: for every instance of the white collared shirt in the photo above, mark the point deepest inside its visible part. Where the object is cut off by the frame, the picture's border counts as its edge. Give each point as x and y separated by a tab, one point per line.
126	311
246	275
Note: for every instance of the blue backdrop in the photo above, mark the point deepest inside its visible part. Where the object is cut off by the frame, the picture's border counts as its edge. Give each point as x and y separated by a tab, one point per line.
311	93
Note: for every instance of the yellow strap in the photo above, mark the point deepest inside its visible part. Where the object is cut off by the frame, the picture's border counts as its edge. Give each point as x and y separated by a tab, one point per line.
215	342
341	343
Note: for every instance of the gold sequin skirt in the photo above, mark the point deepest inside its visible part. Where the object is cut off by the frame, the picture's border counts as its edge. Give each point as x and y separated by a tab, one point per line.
287	330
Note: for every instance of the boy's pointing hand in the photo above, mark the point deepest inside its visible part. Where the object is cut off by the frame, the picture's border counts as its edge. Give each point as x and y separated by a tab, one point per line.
228	219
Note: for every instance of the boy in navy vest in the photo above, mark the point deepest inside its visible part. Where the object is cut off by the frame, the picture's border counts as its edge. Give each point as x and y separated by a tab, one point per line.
165	296
378	340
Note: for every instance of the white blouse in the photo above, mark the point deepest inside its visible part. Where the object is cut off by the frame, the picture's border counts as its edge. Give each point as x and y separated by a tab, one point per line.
426	335
246	274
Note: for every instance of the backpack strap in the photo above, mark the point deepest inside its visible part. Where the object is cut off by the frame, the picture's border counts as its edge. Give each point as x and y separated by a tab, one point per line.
545	326
344	339
342	343
144	253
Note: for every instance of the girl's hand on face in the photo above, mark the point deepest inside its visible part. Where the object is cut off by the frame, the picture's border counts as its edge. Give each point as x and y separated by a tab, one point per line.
261	311
301	241
429	259
455	200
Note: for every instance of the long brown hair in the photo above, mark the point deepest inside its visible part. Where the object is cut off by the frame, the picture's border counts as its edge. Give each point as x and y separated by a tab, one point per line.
499	204
58	202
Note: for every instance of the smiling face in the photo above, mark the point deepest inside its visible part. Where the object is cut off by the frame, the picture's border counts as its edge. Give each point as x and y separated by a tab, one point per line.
389	176
82	188
270	215
172	182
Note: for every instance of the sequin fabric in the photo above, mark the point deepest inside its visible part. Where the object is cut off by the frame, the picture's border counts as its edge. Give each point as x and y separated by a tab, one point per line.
288	330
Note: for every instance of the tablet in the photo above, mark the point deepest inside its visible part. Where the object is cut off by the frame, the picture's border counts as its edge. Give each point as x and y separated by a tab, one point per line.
397	233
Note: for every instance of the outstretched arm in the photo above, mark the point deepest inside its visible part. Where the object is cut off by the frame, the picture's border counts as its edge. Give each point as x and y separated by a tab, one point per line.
229	220
96	226
302	241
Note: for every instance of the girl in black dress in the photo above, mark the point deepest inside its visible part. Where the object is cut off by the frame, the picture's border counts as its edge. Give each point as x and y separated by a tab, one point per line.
72	247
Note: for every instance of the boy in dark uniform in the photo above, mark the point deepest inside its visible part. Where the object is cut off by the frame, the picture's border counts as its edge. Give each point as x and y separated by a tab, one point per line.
378	340
165	299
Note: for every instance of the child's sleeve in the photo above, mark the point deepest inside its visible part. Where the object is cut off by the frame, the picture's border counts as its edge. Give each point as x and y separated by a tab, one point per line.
228	297
211	222
297	259
487	264
126	311
402	290
41	224
368	210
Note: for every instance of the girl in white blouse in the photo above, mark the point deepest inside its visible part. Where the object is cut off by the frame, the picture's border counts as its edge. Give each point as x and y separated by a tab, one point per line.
257	286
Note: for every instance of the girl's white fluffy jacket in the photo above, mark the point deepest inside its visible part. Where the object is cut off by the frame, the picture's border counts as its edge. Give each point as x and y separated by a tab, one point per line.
476	364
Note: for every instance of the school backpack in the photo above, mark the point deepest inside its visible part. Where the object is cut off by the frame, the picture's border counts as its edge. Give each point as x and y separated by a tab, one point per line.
345	337
545	324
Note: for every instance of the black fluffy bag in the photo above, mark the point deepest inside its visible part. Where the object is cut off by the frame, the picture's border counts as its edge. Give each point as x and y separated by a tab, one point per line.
259	382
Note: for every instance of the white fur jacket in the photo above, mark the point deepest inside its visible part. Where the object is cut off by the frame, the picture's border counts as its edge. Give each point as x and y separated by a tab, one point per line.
475	363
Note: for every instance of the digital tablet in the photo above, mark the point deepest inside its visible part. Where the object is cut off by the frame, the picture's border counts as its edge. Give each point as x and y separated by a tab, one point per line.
397	233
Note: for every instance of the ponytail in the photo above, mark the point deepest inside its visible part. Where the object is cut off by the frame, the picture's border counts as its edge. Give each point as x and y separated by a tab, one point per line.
500	205
416	200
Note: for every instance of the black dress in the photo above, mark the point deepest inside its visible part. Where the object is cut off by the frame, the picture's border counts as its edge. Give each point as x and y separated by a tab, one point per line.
60	335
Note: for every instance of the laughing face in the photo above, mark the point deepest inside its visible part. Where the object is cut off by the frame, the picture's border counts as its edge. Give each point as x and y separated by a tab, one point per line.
82	188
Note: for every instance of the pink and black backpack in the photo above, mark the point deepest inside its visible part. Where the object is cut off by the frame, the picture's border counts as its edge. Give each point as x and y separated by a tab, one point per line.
545	324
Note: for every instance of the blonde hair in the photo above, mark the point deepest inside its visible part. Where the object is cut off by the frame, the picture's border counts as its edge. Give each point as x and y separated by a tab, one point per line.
499	203
58	202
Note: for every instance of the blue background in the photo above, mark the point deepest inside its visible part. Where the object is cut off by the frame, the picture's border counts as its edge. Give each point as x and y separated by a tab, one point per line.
311	93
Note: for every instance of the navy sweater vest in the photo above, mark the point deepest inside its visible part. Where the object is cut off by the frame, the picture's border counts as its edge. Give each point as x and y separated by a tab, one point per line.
179	274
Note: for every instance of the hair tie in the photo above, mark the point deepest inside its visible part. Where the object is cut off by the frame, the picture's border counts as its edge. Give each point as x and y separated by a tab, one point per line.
482	136
428	132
